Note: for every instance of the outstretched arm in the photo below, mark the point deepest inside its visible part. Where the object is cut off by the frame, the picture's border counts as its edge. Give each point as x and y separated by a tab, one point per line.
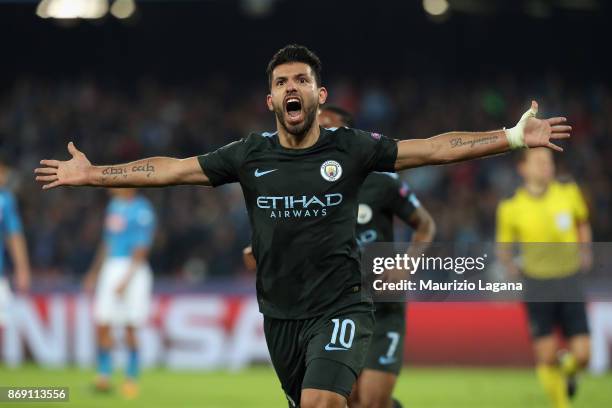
151	172
459	146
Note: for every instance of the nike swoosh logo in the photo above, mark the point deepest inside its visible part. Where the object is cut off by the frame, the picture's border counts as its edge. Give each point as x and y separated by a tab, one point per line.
263	173
384	360
329	347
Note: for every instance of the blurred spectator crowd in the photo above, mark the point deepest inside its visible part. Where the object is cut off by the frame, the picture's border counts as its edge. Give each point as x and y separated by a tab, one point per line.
202	231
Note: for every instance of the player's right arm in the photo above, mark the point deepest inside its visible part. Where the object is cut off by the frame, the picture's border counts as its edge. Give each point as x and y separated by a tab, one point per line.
150	172
505	237
92	274
249	259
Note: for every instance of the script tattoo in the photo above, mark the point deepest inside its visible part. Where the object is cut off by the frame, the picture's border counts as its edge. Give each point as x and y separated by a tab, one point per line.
144	168
458	142
114	172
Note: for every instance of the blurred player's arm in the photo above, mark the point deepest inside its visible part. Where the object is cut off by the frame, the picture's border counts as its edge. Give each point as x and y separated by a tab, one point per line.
409	209
423	225
94	269
139	257
16	243
150	172
505	257
585	237
459	146
18	250
585	233
145	232
249	259
505	237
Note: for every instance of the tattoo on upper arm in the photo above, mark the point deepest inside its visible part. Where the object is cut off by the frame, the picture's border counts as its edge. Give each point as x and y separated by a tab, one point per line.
458	142
145	168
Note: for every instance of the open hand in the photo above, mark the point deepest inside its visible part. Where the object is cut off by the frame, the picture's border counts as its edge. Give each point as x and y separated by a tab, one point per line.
541	132
73	172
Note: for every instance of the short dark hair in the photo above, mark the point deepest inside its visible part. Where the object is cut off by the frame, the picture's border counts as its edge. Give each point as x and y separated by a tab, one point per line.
295	53
346	116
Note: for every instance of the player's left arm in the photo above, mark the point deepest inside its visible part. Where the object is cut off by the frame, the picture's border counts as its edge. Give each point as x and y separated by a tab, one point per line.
585	237
16	245
18	249
409	209
460	146
583	226
424	227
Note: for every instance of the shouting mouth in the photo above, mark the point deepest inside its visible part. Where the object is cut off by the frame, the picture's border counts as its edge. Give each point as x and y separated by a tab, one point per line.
293	110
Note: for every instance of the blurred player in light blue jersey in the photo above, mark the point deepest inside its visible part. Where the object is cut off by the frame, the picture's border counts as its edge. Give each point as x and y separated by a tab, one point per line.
11	234
123	282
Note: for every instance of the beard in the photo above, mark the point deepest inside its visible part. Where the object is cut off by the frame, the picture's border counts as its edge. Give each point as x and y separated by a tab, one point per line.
300	129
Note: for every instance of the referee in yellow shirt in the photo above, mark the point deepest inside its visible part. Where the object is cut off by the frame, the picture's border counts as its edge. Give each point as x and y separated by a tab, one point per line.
544	210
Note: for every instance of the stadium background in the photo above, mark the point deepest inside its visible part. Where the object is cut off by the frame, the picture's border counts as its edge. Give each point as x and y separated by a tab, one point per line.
182	78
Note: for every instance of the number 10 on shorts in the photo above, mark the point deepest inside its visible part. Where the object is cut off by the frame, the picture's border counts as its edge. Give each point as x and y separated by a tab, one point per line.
342	336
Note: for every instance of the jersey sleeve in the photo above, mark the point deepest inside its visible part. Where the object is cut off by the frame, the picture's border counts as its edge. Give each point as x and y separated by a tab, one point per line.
222	165
12	221
581	211
504	230
144	230
377	152
403	200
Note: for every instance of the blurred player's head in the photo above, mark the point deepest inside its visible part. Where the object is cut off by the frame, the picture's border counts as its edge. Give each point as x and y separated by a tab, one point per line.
125	193
537	166
334	116
294	76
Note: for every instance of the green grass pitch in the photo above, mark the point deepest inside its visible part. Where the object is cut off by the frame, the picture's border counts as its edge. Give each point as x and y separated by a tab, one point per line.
259	388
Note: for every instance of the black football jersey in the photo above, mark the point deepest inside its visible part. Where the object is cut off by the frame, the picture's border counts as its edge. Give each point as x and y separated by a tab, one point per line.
302	205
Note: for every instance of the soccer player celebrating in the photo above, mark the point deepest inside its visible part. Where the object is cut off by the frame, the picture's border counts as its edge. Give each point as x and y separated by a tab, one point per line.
123	282
381	197
301	187
546	211
11	233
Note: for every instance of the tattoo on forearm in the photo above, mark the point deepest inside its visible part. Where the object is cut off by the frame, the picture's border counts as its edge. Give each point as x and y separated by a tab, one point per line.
114	172
458	142
144	168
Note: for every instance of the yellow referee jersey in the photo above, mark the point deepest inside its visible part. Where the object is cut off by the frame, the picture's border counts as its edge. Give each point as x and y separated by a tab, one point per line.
548	219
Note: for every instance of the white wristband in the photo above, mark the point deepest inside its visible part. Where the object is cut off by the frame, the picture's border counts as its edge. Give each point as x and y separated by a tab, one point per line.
516	138
516	135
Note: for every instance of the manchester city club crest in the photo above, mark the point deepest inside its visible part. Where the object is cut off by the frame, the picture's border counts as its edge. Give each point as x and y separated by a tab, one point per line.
331	170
